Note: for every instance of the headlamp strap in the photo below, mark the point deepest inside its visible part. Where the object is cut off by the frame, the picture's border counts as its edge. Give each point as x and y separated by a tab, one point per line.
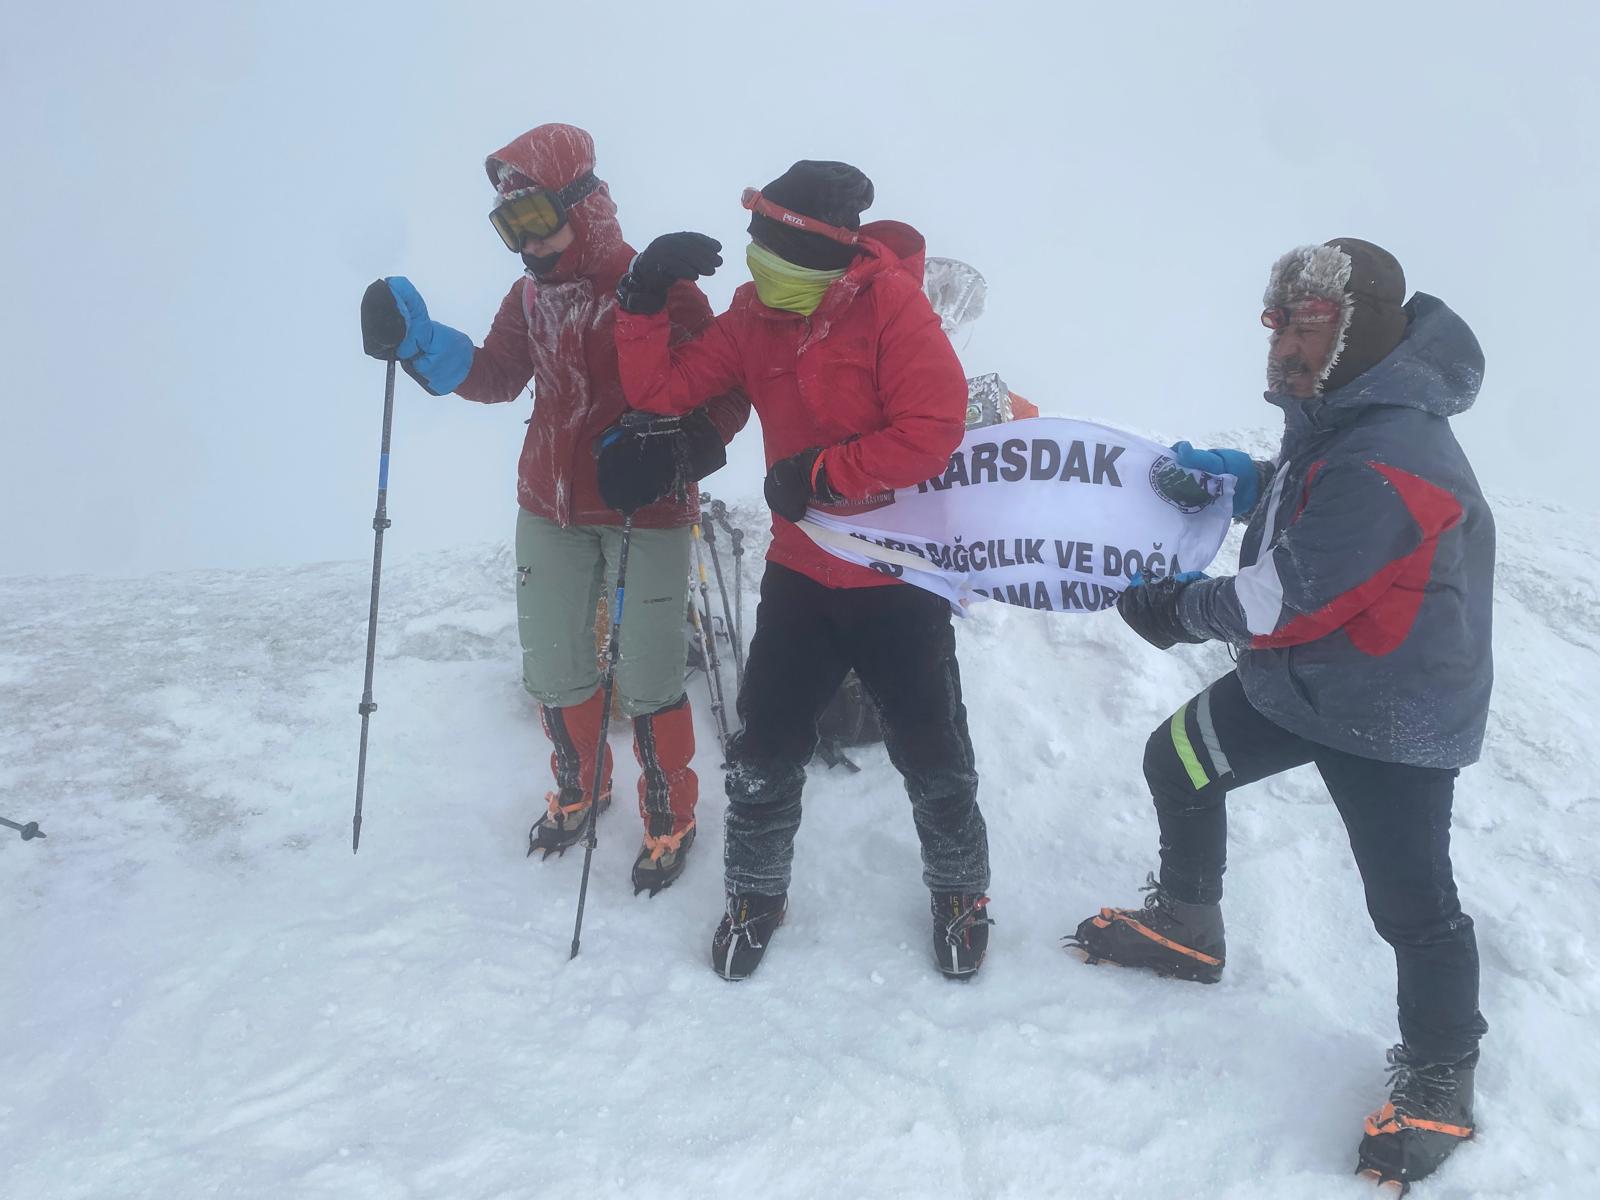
754	201
578	189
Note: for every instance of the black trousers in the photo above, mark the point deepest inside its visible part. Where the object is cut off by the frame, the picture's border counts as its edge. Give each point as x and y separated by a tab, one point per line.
900	642
1398	819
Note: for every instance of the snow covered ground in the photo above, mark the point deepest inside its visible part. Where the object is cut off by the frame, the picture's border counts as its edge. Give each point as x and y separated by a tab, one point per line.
205	995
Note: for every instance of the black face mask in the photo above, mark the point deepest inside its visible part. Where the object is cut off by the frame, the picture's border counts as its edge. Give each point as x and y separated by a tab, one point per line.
544	265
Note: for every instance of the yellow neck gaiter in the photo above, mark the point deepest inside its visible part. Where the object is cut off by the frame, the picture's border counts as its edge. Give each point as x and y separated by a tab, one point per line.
781	284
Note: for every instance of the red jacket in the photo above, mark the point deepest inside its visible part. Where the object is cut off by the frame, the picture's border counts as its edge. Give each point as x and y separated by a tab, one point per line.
558	331
869	376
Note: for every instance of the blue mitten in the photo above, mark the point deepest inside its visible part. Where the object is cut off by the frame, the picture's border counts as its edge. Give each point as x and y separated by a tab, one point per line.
395	324
1247	489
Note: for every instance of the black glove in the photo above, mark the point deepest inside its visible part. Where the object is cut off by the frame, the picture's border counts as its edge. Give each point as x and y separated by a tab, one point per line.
1151	611
639	460
671	257
794	482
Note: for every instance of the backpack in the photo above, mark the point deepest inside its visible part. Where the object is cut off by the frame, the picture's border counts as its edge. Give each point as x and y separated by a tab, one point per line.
851	719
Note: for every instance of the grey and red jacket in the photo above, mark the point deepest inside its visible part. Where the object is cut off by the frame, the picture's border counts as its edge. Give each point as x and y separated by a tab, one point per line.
1363	600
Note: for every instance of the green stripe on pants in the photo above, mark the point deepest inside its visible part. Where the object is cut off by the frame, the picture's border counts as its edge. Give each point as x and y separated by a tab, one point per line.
1186	754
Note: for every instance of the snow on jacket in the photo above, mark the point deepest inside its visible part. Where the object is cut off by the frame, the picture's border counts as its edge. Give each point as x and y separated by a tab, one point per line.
1366	580
559	330
869	375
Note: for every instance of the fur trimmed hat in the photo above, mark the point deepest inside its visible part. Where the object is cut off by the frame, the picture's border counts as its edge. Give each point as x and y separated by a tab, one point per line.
1369	286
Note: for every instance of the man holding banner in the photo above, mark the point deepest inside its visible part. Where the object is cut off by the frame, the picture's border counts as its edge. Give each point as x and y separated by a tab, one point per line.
1361	611
859	393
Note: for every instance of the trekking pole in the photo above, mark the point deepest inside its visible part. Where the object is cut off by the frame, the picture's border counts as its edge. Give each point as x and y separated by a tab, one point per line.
738	583
719	705
608	679
29	831
711	688
380	522
727	609
719	514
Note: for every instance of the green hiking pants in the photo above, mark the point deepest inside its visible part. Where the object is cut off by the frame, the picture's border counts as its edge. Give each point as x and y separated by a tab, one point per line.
560	571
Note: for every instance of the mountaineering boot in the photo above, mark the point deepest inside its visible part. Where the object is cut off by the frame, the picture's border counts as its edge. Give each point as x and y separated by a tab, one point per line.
1166	936
574	734
663	742
661	860
562	825
960	932
1429	1114
742	936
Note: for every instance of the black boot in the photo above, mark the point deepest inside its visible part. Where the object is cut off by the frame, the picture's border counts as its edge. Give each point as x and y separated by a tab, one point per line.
960	932
1428	1115
1167	936
746	928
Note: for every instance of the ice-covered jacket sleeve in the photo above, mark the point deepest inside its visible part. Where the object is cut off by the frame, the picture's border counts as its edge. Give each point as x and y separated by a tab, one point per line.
502	366
924	395
689	313
1356	557
659	377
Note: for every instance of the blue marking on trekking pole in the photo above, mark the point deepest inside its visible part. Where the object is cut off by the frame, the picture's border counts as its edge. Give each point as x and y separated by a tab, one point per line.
616	618
383	472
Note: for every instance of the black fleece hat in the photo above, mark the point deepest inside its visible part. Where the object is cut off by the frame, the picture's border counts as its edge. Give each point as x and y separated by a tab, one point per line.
835	193
1377	291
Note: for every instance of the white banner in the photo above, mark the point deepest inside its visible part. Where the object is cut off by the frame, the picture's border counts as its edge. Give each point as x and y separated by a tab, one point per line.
1045	513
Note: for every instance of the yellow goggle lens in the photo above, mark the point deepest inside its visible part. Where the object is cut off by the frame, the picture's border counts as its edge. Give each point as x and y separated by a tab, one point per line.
534	214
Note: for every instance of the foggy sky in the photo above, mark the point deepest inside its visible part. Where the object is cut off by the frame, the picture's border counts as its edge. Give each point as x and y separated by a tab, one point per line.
194	197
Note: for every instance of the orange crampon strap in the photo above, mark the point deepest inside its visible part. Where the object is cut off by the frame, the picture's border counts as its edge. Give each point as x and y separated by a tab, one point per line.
558	809
1387	1120
667	843
1108	915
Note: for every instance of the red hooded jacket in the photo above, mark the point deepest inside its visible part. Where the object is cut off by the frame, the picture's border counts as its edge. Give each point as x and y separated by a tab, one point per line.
869	375
558	331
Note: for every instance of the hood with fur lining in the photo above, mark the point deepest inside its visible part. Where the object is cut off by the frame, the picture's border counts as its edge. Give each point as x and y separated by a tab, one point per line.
1369	286
1314	273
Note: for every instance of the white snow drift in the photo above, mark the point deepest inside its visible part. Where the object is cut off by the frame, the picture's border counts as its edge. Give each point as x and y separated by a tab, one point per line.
206	995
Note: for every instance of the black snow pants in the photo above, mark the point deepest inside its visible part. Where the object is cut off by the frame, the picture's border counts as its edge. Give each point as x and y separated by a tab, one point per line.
1398	819
900	642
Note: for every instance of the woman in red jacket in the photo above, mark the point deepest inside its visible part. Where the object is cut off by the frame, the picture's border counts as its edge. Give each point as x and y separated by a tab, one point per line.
859	392
555	328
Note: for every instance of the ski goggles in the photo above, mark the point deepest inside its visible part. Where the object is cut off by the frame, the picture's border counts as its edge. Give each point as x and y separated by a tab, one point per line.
755	202
1305	312
537	212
